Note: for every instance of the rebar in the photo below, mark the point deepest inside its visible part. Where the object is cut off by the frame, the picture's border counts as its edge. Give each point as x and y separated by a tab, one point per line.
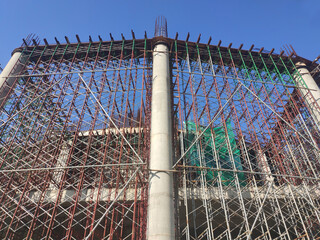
75	142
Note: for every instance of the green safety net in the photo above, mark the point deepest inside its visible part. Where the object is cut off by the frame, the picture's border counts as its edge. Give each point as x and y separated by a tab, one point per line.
206	151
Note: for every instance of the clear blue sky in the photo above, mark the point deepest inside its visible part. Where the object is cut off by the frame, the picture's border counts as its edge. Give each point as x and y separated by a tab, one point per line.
265	23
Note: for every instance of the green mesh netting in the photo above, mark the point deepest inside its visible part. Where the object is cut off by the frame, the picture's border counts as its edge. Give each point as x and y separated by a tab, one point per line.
207	152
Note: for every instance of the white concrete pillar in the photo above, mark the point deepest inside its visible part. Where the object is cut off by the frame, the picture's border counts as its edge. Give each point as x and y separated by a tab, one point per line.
61	163
264	167
161	206
307	84
13	67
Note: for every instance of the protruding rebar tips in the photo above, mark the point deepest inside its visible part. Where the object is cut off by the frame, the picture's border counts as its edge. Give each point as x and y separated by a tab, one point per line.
161	27
31	38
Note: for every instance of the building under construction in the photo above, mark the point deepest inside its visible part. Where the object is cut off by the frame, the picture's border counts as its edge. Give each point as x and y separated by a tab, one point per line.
158	138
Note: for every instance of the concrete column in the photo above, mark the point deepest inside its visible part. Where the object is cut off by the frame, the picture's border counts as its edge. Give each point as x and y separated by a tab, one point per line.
161	207
13	67
263	165
61	162
311	85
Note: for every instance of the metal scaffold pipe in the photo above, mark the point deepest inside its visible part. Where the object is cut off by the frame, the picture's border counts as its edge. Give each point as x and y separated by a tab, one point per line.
161	207
6	80
309	83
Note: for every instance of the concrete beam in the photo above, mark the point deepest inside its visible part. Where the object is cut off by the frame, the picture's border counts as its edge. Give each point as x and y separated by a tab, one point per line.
209	193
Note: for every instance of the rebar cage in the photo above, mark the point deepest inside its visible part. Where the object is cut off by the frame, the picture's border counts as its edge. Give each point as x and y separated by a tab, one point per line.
75	143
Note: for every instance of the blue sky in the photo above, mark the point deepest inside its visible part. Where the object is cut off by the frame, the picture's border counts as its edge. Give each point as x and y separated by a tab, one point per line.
265	23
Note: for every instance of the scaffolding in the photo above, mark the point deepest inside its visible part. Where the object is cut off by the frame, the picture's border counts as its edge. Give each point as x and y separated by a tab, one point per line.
75	142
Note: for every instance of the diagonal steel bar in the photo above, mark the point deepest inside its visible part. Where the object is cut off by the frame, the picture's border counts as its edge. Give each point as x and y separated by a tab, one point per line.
214	118
105	112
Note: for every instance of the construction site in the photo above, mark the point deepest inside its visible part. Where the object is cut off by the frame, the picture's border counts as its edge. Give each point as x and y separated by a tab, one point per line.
158	138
